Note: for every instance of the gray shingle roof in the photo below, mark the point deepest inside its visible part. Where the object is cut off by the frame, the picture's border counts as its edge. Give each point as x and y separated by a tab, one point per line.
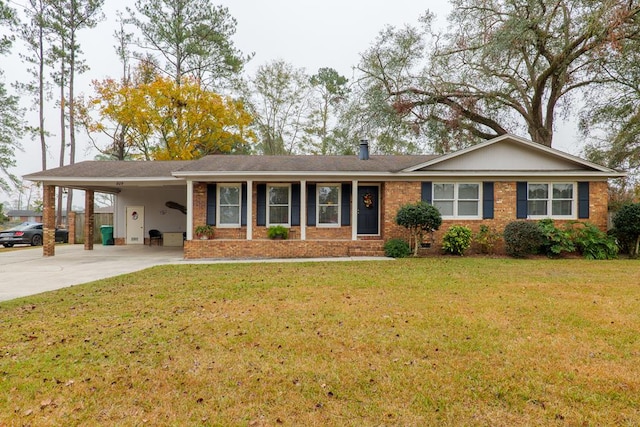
235	163
231	163
113	169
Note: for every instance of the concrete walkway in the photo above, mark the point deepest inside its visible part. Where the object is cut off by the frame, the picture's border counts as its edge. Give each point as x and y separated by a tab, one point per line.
26	272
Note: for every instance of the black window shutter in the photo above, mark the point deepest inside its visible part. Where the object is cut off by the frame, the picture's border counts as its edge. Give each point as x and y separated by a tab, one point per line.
521	200
211	204
427	192
243	205
346	205
261	204
311	204
487	200
295	204
583	200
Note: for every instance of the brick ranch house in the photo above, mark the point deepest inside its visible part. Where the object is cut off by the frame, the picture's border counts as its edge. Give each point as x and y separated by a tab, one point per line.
332	205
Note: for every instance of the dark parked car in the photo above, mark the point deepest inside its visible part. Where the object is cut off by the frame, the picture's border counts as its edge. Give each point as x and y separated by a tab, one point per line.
29	233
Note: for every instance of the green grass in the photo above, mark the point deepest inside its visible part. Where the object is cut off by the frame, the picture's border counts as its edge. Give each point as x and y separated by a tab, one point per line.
447	341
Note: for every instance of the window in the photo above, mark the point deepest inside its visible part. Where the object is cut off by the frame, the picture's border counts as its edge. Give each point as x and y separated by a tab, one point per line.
328	204
229	199
550	199
457	200
278	204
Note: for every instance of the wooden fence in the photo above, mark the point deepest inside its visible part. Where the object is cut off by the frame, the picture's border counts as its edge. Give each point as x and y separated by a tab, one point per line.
100	219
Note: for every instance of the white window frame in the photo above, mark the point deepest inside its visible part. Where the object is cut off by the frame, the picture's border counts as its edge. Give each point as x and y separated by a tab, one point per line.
219	205
318	205
456	200
268	205
550	199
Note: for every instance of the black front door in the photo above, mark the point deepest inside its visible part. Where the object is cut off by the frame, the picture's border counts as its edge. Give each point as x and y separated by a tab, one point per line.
368	209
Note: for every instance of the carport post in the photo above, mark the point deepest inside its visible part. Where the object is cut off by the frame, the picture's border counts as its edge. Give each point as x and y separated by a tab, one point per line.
49	220
88	220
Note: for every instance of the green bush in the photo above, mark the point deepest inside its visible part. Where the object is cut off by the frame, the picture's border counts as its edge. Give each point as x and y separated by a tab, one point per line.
522	238
556	240
419	218
593	243
457	239
486	239
397	248
627	227
278	232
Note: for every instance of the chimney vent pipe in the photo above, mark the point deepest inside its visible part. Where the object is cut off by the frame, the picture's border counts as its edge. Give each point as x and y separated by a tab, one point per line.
364	149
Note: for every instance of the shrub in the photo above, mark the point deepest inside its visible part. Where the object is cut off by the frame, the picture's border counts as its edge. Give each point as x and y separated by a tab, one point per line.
204	231
556	240
522	238
486	238
593	243
418	218
627	227
278	232
457	239
397	248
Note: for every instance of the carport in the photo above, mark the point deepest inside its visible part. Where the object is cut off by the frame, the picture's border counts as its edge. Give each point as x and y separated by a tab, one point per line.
136	183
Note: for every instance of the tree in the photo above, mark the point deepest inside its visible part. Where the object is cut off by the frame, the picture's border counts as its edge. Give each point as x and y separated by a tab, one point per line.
627	227
505	65
34	34
123	138
65	19
331	90
167	121
11	125
193	37
611	119
278	99
418	218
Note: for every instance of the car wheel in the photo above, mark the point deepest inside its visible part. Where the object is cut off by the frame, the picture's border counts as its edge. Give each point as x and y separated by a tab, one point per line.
36	240
7	245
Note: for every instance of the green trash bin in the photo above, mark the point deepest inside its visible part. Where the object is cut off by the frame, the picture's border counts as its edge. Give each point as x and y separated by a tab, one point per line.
107	234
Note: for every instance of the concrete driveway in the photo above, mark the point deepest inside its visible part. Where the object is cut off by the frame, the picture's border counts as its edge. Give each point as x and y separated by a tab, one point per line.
26	272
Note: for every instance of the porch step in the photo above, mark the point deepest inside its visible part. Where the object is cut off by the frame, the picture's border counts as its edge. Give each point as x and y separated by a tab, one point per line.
367	248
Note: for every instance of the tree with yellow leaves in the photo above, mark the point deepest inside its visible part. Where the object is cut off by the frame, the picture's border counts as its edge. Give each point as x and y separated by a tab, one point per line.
162	120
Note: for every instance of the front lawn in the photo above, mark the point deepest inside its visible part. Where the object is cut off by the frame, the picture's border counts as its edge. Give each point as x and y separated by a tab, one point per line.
447	341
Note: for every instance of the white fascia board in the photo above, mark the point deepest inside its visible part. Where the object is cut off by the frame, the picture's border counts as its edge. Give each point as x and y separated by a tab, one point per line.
400	176
515	174
297	175
104	180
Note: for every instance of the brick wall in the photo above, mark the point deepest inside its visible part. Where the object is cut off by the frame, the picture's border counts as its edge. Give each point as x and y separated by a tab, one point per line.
394	196
242	249
321	241
199	207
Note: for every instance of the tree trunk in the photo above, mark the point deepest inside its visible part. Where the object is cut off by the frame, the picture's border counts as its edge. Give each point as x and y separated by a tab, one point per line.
63	138
72	121
43	142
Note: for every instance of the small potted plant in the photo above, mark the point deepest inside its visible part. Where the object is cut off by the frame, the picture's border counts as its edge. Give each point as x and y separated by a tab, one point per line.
204	232
278	232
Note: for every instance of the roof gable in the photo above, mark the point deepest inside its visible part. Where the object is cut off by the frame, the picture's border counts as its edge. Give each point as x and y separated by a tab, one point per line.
509	153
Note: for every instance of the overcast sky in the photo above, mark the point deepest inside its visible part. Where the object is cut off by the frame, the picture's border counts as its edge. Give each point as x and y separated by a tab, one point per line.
307	34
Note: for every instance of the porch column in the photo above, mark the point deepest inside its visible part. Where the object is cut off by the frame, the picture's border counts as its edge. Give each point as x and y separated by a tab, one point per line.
303	210
49	220
71	219
89	221
354	210
189	210
249	210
